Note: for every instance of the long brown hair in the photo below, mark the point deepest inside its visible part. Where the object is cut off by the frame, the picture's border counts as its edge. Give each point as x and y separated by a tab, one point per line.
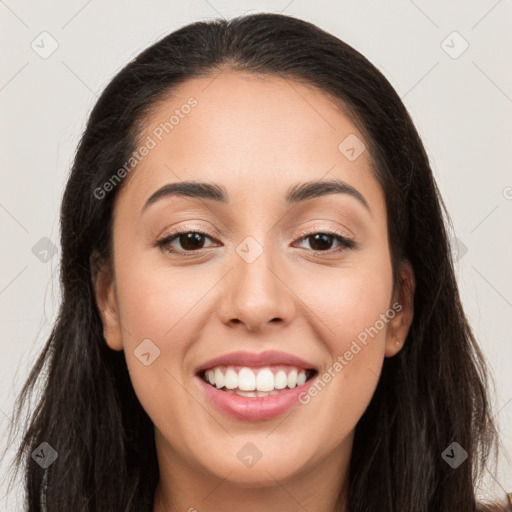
433	393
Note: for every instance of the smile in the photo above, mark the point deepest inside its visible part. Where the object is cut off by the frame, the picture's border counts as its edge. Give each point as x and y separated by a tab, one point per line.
256	382
254	404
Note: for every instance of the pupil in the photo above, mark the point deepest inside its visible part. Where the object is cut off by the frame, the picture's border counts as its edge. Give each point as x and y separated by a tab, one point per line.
189	239
321	238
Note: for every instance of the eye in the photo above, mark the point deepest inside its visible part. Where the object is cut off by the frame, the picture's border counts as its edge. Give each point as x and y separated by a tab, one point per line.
189	241
322	241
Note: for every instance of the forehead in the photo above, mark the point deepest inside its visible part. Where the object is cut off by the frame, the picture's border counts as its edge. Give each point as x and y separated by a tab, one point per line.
253	133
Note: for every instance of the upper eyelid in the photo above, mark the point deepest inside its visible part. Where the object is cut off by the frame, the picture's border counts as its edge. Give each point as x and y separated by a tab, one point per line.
316	228
329	231
180	231
302	233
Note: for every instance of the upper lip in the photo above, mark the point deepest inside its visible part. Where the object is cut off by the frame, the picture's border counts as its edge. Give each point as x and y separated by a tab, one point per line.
267	358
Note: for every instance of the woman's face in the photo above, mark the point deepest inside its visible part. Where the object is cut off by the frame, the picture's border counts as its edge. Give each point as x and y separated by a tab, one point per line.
256	281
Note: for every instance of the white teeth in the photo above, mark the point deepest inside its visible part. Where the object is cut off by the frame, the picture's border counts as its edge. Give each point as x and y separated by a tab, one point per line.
261	382
265	380
246	393
292	379
231	379
219	378
280	380
246	380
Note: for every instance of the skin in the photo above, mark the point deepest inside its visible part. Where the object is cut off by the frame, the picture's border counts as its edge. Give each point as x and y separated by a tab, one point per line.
256	136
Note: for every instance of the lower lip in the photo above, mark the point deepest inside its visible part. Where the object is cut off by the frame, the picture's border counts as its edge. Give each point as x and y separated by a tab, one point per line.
254	408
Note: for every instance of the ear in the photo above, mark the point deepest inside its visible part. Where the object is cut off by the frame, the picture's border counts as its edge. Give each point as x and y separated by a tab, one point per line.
105	292
403	305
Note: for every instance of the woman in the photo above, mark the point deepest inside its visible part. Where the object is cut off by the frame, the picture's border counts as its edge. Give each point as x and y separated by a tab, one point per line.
259	309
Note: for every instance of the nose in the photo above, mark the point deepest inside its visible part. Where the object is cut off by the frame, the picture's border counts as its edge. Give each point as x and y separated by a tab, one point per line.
256	294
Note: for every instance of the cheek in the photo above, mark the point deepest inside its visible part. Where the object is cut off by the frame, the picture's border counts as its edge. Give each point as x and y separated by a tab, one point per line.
348	300
355	306
157	302
161	305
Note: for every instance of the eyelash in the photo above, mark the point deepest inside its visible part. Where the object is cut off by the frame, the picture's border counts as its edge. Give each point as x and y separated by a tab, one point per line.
345	243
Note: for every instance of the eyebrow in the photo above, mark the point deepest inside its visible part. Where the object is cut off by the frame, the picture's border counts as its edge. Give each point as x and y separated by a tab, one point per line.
295	194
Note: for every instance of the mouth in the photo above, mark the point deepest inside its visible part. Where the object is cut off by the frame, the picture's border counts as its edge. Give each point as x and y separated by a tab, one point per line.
255	386
256	382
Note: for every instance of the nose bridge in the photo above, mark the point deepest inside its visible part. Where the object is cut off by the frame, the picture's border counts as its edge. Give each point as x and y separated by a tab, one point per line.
255	293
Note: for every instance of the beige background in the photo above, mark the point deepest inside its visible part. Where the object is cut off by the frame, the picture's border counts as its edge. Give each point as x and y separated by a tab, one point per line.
461	104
